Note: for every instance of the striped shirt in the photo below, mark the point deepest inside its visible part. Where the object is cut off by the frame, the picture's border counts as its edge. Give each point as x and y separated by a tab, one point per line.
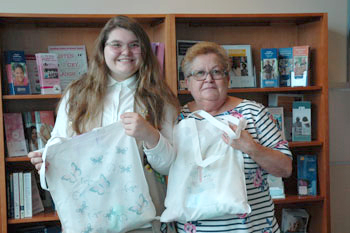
261	219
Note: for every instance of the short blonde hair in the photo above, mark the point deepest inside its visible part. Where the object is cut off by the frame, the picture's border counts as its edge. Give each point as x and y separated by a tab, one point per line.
203	48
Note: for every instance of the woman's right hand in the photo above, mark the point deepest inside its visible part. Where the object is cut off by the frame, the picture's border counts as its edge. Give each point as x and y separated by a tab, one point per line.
36	159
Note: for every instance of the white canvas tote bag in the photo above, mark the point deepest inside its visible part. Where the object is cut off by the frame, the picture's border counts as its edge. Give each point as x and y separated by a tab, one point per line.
207	178
97	182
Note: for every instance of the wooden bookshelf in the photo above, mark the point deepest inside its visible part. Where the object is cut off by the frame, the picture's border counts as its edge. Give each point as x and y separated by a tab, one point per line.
34	32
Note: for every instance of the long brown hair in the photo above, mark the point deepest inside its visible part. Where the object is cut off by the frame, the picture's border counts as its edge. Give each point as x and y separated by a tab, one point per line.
86	95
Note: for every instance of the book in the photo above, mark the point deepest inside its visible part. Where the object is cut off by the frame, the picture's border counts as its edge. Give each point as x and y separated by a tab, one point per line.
269	68
159	50
285	101
16	72
276	186
307	174
285	66
33	76
294	220
27	193
11	202
37	203
16	202
301	130
44	121
21	194
72	62
48	73
277	116
31	135
300	74
181	49
14	132
241	74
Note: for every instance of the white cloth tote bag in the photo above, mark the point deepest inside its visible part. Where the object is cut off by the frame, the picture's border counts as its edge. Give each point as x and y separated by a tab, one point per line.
207	178
97	182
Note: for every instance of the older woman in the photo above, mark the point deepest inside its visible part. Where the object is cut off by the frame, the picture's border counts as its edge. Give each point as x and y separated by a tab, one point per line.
206	67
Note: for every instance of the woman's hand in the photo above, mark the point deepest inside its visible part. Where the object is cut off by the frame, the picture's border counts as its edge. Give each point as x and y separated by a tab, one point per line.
273	161
36	159
136	126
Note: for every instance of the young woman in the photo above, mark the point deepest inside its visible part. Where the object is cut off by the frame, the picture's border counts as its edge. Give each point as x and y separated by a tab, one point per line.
124	84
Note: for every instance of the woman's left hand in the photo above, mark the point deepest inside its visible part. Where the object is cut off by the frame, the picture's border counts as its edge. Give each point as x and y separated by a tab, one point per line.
244	143
136	126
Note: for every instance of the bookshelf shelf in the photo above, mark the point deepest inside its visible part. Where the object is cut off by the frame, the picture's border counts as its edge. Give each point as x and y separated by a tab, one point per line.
30	97
298	199
46	216
305	144
263	90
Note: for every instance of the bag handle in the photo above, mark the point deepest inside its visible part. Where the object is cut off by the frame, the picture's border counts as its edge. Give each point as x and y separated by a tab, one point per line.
241	124
42	172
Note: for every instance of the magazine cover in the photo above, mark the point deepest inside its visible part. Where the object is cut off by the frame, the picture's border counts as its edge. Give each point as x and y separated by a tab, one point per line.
294	220
33	75
277	116
307	174
241	74
72	62
301	121
48	73
15	141
44	124
269	68
300	74
181	49
285	66
16	72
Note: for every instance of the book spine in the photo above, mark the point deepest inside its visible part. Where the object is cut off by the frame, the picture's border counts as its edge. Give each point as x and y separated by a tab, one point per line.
21	194
16	195
27	194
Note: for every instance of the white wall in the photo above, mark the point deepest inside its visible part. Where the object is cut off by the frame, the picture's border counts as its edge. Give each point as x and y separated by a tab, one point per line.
337	25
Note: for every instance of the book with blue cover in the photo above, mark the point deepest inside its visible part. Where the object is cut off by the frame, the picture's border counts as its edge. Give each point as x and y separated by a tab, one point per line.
301	130
307	174
16	72
285	66
269	68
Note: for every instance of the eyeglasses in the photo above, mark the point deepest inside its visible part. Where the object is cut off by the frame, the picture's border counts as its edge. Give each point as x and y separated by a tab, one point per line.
119	47
201	75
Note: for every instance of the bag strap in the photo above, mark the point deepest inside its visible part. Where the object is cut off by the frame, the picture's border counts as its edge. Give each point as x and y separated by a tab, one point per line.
241	124
42	172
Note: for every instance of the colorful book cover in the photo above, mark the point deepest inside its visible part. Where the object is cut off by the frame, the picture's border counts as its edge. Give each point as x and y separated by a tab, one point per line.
15	140
285	101
16	72
44	124
294	220
277	116
181	49
276	186
33	75
269	68
30	130
307	174
300	74
48	73
301	130
241	73
72	62
285	66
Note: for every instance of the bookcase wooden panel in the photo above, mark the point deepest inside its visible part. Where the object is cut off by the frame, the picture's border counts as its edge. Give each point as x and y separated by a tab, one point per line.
34	32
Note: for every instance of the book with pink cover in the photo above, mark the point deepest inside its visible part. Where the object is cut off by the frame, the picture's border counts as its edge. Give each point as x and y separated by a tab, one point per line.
48	73
15	141
44	121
